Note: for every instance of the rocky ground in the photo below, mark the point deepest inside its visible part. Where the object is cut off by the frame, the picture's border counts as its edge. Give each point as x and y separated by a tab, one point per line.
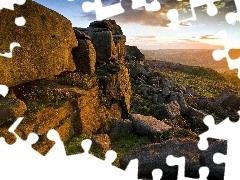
93	86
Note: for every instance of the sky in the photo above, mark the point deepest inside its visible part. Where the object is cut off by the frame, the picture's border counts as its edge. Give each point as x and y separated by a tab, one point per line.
149	29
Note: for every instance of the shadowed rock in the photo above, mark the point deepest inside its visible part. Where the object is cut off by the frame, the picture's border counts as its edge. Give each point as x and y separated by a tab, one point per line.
154	156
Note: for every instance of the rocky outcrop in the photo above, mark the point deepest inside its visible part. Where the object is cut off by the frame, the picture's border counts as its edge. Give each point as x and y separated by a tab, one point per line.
80	100
108	40
45	34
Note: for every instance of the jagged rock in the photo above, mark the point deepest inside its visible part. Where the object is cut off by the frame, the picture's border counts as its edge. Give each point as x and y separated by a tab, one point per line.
225	97
216	170
202	102
133	53
101	142
46	43
11	109
117	87
192	112
80	35
137	69
109	24
108	40
169	110
179	97
84	55
154	156
195	119
168	85
120	127
148	125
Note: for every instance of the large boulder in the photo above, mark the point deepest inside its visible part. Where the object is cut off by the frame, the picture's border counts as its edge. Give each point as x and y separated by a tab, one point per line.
154	156
148	125
46	42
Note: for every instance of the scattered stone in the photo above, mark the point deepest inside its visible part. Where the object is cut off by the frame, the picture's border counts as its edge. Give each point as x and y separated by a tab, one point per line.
169	110
179	98
148	125
225	97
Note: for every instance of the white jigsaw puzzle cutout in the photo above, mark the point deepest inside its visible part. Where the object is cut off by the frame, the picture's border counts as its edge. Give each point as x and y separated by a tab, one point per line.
101	11
180	162
56	164
228	45
19	21
173	14
226	130
233	17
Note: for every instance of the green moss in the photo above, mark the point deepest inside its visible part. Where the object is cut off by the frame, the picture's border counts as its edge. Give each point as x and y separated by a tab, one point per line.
127	143
73	146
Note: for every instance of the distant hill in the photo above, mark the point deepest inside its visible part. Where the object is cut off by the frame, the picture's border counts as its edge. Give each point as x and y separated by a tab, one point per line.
192	57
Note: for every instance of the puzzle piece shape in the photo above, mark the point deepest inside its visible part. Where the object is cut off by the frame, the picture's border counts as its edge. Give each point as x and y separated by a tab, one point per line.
226	130
157	174
103	12
3	90
173	14
12	46
9	4
19	21
153	6
172	161
233	17
220	54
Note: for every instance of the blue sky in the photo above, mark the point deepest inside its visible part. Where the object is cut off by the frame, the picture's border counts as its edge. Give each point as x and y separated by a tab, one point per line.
148	30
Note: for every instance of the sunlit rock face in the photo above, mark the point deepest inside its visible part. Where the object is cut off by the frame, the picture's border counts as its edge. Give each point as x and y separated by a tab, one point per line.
46	42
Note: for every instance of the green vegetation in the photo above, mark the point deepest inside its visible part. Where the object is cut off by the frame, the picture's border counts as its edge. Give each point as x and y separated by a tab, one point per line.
127	143
204	81
122	145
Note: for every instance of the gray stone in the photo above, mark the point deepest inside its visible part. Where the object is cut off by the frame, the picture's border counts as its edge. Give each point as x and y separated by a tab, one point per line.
169	110
225	97
154	156
120	127
179	97
216	170
148	125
